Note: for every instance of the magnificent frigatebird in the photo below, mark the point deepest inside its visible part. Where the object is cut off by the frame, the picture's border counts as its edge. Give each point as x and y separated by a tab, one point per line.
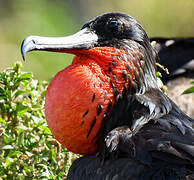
107	105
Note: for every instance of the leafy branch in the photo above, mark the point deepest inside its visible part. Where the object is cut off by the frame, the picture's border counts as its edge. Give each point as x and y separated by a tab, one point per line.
27	147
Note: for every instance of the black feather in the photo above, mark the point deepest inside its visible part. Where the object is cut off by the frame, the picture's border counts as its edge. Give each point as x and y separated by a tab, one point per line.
143	135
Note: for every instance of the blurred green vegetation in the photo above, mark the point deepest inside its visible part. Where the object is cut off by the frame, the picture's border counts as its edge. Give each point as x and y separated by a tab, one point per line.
20	18
189	90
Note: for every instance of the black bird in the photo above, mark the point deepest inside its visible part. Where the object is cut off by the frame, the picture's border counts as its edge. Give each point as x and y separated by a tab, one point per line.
177	55
122	122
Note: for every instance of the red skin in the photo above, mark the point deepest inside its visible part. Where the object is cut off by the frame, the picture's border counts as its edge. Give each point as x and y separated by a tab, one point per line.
70	95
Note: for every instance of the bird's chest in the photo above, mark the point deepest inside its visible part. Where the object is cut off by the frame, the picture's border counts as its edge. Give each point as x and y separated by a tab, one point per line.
80	95
76	101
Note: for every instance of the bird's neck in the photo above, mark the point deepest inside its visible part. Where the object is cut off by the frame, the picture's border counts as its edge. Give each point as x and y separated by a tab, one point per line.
124	69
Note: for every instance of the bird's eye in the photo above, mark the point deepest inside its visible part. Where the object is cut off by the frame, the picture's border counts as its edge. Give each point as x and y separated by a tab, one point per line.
112	26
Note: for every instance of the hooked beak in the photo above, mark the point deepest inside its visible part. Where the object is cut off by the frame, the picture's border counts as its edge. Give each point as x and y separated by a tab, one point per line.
84	39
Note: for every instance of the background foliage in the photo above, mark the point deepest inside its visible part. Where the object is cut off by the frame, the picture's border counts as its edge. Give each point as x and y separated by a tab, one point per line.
21	18
27	148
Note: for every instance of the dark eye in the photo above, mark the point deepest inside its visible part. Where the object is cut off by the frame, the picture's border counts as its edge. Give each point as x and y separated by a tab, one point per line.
112	26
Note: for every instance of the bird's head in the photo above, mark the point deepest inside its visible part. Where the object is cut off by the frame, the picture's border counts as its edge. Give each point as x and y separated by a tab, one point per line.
113	56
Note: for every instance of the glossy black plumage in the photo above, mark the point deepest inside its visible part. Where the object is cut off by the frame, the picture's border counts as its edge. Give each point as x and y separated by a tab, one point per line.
177	54
159	150
145	136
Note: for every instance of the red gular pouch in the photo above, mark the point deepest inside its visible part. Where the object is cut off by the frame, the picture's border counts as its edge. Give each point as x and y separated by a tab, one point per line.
80	95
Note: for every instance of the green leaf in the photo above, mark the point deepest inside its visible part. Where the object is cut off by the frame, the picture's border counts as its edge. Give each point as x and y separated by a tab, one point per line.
17	66
7	147
2	120
8	161
46	130
192	82
14	153
1	91
60	175
25	76
36	119
2	97
21	139
189	90
22	127
6	139
21	109
29	154
19	92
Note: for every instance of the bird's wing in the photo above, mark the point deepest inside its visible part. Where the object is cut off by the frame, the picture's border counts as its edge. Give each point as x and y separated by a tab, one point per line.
91	168
161	149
